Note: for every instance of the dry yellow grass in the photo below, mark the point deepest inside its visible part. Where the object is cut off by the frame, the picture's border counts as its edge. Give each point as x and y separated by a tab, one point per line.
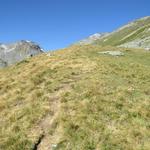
79	98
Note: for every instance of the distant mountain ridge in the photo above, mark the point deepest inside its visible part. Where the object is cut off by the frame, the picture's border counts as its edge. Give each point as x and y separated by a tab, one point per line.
18	51
92	38
135	34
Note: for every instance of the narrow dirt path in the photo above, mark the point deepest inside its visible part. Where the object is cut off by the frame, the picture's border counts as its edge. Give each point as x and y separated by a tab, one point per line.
48	130
48	141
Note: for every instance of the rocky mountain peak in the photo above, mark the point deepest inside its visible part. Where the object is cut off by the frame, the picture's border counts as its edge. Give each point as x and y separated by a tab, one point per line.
14	52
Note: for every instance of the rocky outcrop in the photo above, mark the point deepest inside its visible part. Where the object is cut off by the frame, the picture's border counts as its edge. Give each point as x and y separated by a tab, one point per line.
138	43
15	52
113	53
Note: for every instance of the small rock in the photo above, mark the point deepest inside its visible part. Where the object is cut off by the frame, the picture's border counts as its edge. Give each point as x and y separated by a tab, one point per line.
147	49
113	53
54	146
48	54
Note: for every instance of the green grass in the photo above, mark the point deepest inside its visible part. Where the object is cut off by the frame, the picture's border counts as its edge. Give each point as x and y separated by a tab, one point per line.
104	100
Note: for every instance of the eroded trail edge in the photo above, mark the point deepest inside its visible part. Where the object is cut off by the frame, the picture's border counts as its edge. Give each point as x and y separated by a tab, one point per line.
50	131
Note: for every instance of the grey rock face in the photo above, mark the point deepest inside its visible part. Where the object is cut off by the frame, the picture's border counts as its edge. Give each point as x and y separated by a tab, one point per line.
138	43
15	52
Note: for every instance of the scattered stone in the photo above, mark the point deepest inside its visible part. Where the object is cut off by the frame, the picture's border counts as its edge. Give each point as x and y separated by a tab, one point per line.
113	53
48	54
54	146
147	49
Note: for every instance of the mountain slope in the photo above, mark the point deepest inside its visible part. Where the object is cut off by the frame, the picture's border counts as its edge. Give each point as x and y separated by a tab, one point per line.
135	34
15	52
76	99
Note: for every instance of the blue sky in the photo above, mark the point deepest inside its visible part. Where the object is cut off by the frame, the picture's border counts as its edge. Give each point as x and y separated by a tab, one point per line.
56	24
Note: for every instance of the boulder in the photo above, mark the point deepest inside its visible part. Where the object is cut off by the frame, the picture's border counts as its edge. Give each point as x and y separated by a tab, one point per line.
112	53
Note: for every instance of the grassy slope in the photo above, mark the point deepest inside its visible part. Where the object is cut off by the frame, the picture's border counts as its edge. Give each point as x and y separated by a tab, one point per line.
104	101
138	29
